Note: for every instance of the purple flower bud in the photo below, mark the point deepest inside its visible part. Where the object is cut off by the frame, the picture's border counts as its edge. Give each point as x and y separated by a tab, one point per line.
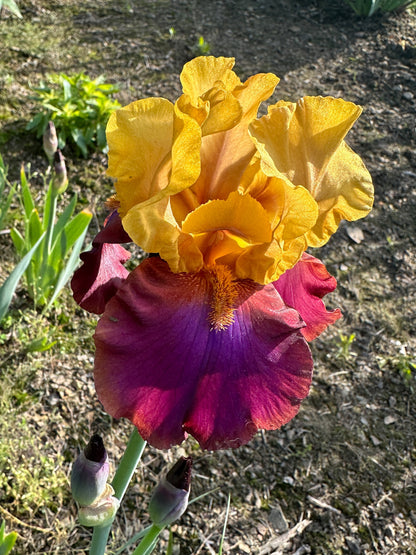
60	179
50	140
90	472
170	498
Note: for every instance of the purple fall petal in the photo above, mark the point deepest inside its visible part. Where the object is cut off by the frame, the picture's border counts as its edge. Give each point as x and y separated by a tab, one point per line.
160	363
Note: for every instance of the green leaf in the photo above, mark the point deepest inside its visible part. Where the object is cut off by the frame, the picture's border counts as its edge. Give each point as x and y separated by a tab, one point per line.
68	270
18	241
79	140
66	239
63	219
66	85
5	204
9	286
227	512
7	544
28	203
12	7
35	227
48	203
40	344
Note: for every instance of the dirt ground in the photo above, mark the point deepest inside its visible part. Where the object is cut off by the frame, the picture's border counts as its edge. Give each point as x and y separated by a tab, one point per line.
340	478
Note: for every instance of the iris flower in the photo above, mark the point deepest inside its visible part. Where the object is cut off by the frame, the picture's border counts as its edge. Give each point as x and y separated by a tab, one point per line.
209	335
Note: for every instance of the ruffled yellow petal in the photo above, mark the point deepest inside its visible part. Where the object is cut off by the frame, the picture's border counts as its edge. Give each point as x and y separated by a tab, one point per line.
224	110
186	162
225	155
153	227
204	184
304	142
299	209
152	147
201	74
140	138
342	203
283	201
223	228
259	262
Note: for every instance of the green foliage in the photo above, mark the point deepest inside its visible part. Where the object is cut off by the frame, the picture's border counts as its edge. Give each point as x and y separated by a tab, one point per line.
78	106
406	367
61	239
202	47
5	197
6	542
369	7
227	512
29	475
13	8
9	286
344	343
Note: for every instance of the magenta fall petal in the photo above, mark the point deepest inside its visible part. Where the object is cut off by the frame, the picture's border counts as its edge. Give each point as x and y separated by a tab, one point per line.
102	272
302	287
160	363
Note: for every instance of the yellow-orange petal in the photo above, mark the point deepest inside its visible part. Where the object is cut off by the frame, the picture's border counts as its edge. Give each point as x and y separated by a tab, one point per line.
304	142
140	138
299	209
338	203
224	228
186	161
198	110
239	214
201	74
152	226
225	155
259	262
152	145
224	110
291	209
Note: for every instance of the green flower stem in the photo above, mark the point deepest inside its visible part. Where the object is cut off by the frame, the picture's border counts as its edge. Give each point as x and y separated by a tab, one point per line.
148	540
121	480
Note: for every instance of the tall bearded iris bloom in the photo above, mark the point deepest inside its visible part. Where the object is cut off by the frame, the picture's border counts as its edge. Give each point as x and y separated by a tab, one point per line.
209	337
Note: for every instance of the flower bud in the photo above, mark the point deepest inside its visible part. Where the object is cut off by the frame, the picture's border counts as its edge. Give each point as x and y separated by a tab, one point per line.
50	140
90	472
60	179
170	497
102	511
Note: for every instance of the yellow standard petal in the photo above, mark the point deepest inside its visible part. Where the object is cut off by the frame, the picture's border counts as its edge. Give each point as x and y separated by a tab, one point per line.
304	142
152	147
225	155
201	74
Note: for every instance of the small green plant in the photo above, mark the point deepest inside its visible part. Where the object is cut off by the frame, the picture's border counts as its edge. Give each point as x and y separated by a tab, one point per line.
60	238
8	288
78	106
202	47
13	8
344	343
6	541
367	8
406	367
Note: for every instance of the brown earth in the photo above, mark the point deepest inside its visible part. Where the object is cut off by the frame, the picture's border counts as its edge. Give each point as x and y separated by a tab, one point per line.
340	478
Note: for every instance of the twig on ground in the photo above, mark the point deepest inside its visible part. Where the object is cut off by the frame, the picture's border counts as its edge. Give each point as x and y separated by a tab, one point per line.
281	540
